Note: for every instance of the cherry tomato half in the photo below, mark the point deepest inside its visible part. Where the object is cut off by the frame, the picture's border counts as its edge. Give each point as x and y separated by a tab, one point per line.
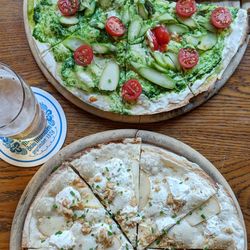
152	41
131	90
221	18
115	27
185	8
84	55
188	58
161	34
68	7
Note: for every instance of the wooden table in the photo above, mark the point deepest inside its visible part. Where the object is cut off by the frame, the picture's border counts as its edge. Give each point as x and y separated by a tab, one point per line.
220	129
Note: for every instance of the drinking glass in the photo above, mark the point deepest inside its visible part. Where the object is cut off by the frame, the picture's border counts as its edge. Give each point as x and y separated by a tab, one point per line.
20	114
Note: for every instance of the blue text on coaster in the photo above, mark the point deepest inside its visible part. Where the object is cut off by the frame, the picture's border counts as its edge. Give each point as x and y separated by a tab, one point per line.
35	152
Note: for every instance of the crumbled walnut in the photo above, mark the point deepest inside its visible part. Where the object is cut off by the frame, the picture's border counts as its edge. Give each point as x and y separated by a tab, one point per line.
108	221
67	212
133	202
164	180
157	181
228	230
65	203
97	179
92	99
109	194
78	183
79	206
86	229
157	189
176	204
175	37
104	239
110	185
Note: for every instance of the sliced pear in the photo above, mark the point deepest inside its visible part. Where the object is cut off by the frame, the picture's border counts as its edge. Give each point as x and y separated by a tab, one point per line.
208	210
50	225
110	77
145	189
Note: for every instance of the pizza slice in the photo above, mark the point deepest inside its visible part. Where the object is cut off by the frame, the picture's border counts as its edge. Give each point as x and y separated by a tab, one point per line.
170	188
175	58
216	225
50	21
66	215
112	171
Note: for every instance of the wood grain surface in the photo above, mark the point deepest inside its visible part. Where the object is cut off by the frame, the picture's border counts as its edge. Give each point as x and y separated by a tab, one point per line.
219	129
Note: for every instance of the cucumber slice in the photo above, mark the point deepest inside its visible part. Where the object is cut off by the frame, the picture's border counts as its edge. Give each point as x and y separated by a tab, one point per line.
166	18
204	22
91	9
85	78
158	56
168	62
134	29
103	48
157	77
192	40
143	12
159	67
174	58
208	41
177	28
125	16
69	20
73	43
188	22
110	77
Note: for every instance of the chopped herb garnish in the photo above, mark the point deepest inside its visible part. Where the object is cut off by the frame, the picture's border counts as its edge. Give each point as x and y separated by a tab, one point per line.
72	193
110	233
58	233
174	216
203	216
161	213
55	206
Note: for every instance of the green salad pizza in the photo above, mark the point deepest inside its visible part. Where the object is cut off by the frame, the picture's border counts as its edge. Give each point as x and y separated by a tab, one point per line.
136	57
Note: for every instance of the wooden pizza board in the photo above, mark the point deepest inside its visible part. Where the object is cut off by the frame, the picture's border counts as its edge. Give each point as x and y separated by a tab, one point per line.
150	138
194	102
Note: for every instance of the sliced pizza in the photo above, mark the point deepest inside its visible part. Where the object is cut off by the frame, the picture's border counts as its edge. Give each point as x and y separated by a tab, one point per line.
112	171
170	188
215	224
66	215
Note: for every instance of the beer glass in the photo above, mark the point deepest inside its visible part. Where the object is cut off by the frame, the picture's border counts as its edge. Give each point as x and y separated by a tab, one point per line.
20	114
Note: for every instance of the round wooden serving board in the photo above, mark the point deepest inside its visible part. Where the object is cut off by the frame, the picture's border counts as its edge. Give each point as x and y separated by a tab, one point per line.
151	138
194	102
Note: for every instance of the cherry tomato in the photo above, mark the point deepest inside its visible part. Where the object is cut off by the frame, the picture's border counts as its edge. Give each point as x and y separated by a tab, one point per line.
84	55
161	34
115	27
221	18
185	8
131	90
68	7
163	48
188	58
152	41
